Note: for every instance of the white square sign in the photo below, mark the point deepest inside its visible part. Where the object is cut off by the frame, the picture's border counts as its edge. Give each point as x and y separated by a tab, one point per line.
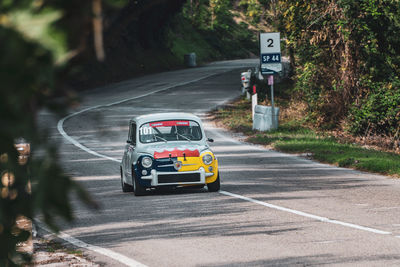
270	42
270	52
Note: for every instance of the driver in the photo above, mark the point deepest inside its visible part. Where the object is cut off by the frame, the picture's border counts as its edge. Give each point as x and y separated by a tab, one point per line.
184	130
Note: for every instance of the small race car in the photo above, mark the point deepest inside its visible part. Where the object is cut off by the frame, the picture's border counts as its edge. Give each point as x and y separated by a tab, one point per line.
168	149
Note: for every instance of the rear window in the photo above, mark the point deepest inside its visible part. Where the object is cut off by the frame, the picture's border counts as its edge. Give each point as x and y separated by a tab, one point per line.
170	130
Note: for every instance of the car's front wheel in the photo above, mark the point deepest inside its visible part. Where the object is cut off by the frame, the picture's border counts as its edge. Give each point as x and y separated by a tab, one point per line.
125	187
138	190
214	186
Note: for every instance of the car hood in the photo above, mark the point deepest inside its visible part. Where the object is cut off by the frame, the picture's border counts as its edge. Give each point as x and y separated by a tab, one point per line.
175	150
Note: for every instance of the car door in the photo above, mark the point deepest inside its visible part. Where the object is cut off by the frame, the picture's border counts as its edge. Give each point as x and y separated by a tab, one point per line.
130	149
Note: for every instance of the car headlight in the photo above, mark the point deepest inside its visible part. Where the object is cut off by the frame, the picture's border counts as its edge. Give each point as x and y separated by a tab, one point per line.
147	162
207	159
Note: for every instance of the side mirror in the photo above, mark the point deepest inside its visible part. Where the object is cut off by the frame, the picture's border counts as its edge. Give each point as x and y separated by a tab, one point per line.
210	140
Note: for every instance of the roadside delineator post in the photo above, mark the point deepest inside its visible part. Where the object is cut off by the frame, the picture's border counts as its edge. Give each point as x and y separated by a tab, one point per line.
253	101
271	82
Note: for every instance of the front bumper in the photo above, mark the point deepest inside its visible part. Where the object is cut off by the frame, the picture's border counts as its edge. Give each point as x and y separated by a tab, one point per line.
158	178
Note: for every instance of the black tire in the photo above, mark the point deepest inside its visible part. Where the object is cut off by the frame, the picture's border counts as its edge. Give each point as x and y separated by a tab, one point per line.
214	186
125	187
138	190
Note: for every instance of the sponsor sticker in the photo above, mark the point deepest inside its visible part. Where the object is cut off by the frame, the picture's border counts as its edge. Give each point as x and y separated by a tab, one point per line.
168	123
176	153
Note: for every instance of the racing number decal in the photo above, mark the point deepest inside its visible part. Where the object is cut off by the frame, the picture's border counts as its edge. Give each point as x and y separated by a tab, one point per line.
146	130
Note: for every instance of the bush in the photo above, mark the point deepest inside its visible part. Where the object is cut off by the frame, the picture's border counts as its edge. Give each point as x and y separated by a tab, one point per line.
379	112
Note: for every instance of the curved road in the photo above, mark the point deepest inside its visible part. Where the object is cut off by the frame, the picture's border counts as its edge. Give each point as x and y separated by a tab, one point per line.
273	209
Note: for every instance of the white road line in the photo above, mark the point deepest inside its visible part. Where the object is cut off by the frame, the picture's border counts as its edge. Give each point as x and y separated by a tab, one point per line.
106	252
76	143
131	262
308	215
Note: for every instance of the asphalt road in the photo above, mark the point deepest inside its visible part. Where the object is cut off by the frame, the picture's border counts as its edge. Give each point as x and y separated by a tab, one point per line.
273	209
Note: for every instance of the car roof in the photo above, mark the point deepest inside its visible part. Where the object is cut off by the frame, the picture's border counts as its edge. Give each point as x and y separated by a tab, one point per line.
165	116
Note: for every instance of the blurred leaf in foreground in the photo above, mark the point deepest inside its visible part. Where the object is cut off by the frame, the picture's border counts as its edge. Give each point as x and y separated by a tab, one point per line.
27	76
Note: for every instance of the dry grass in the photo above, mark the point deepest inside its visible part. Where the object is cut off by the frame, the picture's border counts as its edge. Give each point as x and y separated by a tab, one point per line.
295	110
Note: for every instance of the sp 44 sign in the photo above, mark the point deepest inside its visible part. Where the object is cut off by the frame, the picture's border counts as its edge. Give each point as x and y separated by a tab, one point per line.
270	52
270	58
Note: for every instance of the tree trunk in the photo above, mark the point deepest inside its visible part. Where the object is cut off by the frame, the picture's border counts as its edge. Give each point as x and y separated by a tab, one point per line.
98	30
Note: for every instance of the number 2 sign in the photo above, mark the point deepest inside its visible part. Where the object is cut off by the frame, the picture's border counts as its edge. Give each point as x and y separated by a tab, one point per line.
270	43
270	52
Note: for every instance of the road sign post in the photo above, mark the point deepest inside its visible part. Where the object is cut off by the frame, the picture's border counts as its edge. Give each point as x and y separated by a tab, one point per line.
270	52
270	63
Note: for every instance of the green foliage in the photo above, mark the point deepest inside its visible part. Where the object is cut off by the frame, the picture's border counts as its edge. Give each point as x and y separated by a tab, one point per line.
194	41
40	28
259	11
220	15
74	23
117	3
208	29
379	112
210	14
253	9
197	12
27	75
343	155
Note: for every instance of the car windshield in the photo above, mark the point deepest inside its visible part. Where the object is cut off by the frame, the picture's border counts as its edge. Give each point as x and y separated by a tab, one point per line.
170	130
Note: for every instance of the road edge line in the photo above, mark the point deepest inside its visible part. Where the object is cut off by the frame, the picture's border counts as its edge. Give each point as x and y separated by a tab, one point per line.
305	214
79	243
